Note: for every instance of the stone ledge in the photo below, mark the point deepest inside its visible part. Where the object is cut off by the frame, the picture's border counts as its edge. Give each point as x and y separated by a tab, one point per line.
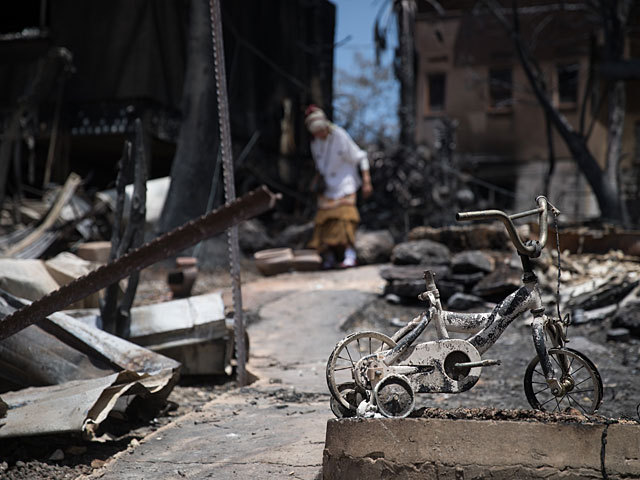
437	448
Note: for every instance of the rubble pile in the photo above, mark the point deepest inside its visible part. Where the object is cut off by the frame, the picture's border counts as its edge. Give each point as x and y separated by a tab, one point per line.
473	266
63	217
52	360
598	287
593	287
422	187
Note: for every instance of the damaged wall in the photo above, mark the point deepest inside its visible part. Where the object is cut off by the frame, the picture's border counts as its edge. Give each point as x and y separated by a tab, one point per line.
469	71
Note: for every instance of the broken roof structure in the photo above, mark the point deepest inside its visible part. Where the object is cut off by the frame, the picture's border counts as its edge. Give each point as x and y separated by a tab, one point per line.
70	376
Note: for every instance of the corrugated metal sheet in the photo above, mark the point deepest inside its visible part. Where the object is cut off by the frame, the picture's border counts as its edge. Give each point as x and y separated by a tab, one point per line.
81	374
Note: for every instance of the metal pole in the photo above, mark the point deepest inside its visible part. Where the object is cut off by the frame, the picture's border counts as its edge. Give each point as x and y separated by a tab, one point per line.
230	191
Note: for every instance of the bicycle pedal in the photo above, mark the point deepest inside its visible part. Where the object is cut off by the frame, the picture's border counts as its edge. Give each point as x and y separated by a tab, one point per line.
491	363
481	363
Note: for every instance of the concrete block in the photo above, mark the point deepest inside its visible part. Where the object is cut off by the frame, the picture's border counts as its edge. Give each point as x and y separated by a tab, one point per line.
66	267
201	317
622	450
94	251
28	279
200	357
443	448
191	330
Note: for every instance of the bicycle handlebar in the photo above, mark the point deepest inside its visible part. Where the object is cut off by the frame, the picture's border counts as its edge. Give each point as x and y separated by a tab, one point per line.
532	248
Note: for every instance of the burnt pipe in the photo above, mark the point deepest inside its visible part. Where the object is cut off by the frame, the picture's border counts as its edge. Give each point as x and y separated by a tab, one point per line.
463	322
408	340
480	339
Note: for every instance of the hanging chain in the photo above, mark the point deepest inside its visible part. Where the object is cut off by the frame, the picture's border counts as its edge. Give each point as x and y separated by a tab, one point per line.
556	213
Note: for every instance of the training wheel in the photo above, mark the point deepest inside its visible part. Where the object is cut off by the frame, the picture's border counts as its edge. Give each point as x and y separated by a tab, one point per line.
394	396
349	392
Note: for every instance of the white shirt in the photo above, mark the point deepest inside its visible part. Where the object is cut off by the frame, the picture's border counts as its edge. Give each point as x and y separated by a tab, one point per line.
337	158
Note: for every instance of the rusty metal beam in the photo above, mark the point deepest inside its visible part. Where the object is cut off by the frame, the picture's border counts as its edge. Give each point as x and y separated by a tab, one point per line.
224	124
165	246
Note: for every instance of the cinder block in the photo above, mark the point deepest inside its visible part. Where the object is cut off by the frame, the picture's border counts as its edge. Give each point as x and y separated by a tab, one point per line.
95	251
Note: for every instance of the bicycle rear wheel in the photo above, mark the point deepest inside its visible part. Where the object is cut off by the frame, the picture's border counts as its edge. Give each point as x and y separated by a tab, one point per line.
583	385
342	363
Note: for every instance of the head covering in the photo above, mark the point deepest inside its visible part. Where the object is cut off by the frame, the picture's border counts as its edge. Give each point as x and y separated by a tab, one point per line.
315	119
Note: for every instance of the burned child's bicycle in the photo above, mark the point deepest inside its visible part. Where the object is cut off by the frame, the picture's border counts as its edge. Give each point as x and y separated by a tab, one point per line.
369	372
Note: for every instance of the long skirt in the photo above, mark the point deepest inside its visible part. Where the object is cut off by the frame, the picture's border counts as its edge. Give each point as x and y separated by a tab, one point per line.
335	227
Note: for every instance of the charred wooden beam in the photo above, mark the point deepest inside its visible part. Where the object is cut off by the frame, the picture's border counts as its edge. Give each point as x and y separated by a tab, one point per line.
115	315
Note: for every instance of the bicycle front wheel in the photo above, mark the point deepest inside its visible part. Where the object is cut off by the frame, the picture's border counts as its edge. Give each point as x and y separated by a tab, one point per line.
582	385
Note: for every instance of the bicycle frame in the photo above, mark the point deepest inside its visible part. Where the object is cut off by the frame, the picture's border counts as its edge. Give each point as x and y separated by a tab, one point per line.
398	367
488	327
485	328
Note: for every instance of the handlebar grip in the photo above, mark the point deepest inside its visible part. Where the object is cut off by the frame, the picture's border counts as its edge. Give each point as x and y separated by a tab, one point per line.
480	215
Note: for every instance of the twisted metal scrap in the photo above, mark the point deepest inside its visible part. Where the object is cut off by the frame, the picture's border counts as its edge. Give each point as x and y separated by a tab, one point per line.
165	246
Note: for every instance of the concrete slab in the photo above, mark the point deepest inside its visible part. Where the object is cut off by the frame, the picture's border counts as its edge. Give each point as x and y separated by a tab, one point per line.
444	448
274	428
297	333
241	435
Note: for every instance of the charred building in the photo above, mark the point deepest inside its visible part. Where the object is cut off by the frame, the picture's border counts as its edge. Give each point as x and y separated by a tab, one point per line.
469	71
74	75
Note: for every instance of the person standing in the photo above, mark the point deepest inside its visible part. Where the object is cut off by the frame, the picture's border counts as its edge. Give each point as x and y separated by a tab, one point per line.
339	162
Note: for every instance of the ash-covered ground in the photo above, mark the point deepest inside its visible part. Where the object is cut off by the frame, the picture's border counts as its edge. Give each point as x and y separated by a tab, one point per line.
499	393
501	386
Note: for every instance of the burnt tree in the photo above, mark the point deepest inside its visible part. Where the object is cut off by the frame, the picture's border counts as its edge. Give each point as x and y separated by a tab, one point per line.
603	183
614	16
405	11
195	158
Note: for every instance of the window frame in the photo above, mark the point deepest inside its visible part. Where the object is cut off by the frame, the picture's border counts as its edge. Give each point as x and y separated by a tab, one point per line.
564	67
430	107
500	103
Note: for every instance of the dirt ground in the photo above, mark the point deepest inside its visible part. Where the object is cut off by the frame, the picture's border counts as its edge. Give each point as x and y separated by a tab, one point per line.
67	457
31	458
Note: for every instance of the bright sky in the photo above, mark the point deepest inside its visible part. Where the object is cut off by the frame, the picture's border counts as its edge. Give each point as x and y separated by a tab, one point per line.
356	18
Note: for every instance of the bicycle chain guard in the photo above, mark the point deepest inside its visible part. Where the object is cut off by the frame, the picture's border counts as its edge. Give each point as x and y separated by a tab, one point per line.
442	358
440	366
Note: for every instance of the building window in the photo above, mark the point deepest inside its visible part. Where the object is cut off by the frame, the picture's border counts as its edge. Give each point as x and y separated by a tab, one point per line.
500	88
436	83
568	83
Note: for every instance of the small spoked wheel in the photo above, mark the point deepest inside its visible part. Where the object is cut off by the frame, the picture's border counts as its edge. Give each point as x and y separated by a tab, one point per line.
341	369
394	396
581	383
